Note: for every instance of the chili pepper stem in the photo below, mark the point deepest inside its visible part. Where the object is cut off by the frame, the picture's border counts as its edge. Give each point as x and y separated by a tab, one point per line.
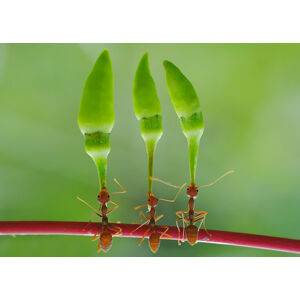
193	146
102	169
150	145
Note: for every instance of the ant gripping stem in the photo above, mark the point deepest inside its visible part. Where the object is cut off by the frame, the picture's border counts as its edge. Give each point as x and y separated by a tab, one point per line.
96	120
148	112
155	232
104	231
189	228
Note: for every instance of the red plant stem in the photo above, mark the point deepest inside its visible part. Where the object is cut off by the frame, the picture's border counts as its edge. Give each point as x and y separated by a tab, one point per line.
83	228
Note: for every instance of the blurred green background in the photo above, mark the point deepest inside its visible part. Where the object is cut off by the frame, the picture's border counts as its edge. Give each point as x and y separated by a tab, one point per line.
250	100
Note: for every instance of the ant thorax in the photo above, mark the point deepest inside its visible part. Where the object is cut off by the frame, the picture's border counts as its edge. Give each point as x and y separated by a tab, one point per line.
103	209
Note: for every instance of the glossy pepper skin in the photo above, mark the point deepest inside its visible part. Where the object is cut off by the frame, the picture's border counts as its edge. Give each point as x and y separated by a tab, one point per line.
96	113
147	110
187	107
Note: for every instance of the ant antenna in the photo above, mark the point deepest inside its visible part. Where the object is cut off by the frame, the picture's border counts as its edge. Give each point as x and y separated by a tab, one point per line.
164	182
178	192
228	172
90	206
121	186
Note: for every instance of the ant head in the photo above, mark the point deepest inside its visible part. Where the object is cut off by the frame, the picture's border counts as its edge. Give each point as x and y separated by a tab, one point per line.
103	196
192	190
154	241
191	233
151	200
105	240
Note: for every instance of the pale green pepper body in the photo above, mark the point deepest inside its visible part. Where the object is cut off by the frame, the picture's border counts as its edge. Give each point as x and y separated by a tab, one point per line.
187	107
96	113
147	110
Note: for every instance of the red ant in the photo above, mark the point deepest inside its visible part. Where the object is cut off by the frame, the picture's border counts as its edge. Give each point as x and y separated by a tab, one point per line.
191	230
105	238
155	234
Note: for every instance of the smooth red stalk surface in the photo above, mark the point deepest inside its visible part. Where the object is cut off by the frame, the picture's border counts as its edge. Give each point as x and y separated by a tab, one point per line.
83	228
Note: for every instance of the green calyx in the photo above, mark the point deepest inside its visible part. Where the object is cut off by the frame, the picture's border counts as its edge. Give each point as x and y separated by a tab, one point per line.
147	110
96	113
151	128
187	107
97	146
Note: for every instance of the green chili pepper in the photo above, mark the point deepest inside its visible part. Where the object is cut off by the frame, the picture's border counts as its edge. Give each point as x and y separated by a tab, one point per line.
187	107
147	110
96	113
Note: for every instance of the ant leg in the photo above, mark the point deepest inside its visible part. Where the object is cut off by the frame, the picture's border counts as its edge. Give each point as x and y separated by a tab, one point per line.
99	247
92	214
143	236
205	227
184	220
158	218
202	215
138	207
180	214
164	232
164	182
199	226
140	216
201	212
91	220
181	211
139	226
121	186
178	240
215	181
183	225
94	238
202	222
116	228
178	192
148	220
116	206
89	205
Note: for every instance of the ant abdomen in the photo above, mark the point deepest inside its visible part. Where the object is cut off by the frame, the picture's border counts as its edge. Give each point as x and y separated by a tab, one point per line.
105	241
191	233
154	241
